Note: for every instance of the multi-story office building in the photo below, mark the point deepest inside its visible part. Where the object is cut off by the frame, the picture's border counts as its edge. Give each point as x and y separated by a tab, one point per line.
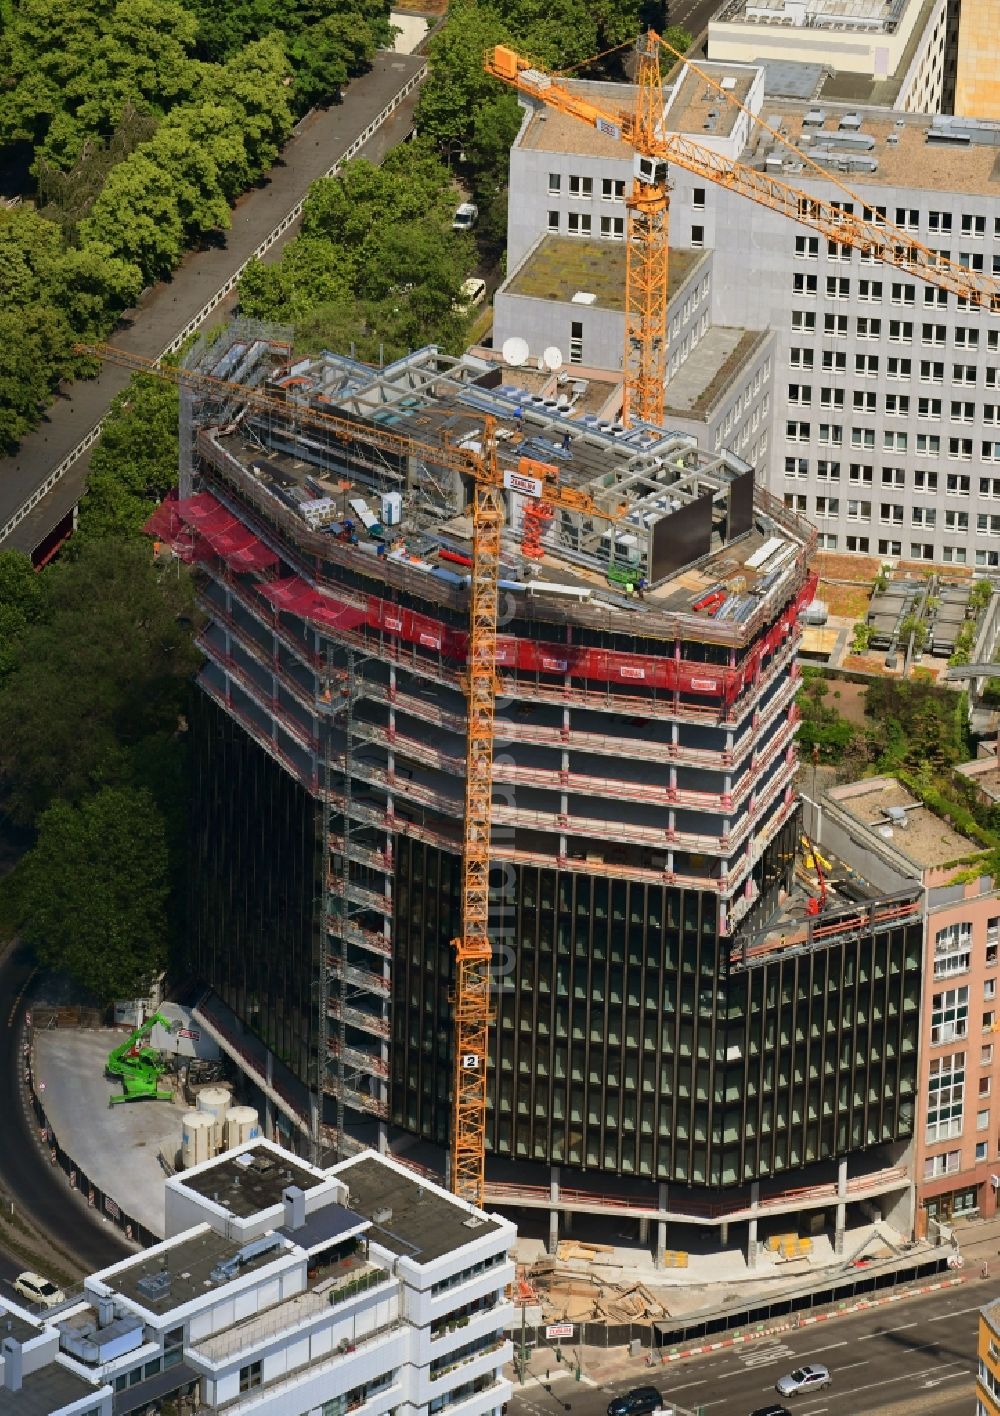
283	1290
644	810
883	422
893	55
895	839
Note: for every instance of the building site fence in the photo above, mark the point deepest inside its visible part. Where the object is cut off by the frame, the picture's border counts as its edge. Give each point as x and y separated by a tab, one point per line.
78	1179
839	1292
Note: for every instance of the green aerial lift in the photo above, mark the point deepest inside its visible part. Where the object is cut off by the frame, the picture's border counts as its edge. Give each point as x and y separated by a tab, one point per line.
139	1067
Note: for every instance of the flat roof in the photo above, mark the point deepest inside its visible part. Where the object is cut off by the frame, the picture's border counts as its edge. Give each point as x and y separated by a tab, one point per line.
697	108
925	840
871	16
417	1222
189	1263
13	1325
250	1182
710	370
45	1391
559	266
903	155
548	130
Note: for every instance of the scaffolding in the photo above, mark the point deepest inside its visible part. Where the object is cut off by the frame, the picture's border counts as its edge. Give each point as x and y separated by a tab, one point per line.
356	945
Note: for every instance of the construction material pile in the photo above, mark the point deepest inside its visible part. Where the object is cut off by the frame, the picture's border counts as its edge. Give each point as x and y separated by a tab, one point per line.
570	1287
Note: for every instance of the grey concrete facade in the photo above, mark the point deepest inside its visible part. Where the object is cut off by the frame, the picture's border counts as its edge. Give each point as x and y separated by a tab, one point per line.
883	429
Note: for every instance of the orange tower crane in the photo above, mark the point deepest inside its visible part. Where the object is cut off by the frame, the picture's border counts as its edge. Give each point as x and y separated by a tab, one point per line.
540	482
647	256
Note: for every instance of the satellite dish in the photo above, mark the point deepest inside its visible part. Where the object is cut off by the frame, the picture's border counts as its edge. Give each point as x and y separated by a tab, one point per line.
552	358
515	350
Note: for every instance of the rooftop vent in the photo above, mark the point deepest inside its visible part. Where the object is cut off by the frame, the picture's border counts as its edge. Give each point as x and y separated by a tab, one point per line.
155	1286
850	122
729	84
382	1216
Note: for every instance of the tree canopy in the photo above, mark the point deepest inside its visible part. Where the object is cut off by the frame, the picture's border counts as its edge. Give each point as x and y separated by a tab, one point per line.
93	892
103	666
377	264
141	122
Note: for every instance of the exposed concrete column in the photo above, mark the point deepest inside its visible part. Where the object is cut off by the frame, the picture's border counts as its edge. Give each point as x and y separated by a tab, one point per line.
841	1220
661	1226
554	1213
644	1230
724	1232
752	1227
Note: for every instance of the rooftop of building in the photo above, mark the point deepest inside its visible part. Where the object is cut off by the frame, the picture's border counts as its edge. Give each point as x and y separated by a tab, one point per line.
559	267
688	103
710	370
642	477
178	1271
13	1325
250	1181
693	106
984	773
47	1390
869	16
415	1220
890	813
861	145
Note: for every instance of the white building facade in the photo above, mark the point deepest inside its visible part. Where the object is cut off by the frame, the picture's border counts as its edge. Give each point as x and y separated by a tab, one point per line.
280	1298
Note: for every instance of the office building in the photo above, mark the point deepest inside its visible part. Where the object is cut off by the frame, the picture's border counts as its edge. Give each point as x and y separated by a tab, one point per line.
878	418
285	1290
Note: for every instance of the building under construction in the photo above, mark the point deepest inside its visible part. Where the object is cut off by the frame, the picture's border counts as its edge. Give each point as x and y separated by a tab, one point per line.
655	1052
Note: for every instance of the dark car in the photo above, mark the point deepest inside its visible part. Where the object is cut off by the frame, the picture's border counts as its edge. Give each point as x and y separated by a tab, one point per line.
771	1411
637	1402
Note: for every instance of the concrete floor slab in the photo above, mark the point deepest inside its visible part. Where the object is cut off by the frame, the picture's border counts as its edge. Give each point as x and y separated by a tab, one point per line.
116	1146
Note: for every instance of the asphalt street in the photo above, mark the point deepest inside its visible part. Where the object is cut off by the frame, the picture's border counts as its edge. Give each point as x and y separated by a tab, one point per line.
911	1358
694	15
40	1189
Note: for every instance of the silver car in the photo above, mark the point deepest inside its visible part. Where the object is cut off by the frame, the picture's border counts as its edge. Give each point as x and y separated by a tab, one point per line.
803	1379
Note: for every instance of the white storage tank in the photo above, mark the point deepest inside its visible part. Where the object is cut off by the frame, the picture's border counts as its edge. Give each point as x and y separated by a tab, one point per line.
392	508
241	1126
196	1138
215	1102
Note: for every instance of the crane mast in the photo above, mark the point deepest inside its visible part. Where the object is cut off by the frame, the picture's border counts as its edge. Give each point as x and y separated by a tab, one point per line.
855	223
471	998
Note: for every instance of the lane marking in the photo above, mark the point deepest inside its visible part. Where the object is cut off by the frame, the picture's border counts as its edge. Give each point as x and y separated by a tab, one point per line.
685	1387
872	1336
815	1410
955	1313
829	1347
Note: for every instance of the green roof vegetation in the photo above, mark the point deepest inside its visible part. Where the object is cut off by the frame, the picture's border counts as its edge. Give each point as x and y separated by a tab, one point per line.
562	265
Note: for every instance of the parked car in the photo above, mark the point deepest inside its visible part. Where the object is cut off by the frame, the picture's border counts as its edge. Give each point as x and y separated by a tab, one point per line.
637	1402
36	1289
472	292
803	1379
465	217
773	1410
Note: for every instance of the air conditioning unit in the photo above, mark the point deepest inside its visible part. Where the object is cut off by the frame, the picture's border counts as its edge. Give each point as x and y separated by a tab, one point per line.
995	1181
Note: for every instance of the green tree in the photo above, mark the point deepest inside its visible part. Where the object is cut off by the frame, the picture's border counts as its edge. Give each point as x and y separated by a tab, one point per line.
93	892
20	604
34	356
457	88
91	286
135	463
138	216
105	666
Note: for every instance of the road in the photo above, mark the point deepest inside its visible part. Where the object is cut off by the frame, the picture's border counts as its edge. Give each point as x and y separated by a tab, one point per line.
694	15
39	1188
910	1358
166	310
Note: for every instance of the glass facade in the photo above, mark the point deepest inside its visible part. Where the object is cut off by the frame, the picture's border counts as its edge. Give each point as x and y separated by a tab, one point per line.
255	881
627	1042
